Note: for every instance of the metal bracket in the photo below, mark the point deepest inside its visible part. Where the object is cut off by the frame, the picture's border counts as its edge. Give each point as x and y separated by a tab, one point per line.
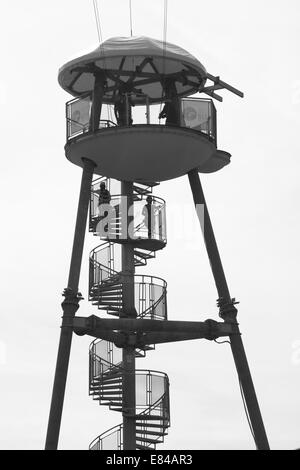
227	310
218	84
70	305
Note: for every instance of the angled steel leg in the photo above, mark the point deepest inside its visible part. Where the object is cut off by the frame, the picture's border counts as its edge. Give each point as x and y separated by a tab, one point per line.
228	312
70	305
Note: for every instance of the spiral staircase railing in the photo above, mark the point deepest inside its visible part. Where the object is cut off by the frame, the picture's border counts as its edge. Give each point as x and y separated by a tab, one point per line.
152	415
152	407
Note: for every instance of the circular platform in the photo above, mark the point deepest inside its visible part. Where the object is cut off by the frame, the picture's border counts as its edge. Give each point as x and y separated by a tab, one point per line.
146	152
217	161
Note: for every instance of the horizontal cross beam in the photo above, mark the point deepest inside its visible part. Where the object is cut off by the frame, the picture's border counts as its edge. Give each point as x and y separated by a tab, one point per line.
150	331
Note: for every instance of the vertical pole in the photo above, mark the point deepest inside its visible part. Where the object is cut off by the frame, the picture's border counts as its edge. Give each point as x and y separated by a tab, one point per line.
97	96
70	305
147	110
228	312
173	109
129	400
149	208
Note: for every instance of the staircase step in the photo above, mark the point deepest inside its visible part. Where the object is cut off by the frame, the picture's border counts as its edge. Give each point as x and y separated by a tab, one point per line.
110	393
113	279
112	307
106	386
150	433
114	294
148	348
112	400
150	425
141	417
141	447
109	287
111	311
106	287
111	375
116	387
108	380
139	353
112	389
116	408
110	303
107	298
151	441
145	255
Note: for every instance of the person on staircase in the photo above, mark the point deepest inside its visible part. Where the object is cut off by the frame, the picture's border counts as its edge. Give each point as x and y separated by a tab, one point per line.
104	200
148	215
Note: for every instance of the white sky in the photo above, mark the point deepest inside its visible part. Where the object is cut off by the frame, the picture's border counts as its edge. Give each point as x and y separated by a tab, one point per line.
253	203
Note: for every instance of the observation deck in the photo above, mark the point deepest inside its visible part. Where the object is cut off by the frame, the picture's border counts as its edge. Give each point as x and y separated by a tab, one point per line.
133	116
145	151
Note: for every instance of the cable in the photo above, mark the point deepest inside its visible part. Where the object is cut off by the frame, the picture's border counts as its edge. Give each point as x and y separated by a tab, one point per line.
243	399
247	413
165	32
130	15
221	342
165	27
100	38
97	17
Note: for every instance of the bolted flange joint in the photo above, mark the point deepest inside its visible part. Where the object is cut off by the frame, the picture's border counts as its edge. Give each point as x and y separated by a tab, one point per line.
227	310
212	332
70	305
126	340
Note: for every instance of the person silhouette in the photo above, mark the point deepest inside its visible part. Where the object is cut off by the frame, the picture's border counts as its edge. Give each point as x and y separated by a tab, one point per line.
104	199
147	213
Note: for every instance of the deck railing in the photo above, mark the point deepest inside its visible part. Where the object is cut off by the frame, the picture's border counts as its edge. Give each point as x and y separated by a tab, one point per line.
198	114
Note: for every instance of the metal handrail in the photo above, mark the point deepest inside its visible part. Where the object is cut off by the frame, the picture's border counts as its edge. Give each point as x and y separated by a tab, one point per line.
152	292
157	301
140	230
161	405
142	197
116	428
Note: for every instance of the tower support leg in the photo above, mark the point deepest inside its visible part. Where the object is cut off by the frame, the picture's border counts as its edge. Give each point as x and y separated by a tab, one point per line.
229	313
70	305
128	392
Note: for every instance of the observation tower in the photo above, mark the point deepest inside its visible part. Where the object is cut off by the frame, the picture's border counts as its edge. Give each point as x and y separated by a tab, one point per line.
133	122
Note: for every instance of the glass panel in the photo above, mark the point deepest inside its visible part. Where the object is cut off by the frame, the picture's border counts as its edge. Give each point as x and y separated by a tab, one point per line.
198	114
78	112
150	298
141	390
117	355
160	308
158	388
95	446
111	442
101	349
107	116
149	219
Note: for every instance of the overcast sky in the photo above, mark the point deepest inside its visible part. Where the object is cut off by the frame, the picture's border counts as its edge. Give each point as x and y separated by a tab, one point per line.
254	205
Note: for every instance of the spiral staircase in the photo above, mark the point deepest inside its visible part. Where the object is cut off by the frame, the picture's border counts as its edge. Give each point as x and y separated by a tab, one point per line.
152	414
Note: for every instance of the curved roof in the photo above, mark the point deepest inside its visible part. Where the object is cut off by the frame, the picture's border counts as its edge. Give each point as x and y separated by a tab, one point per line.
137	63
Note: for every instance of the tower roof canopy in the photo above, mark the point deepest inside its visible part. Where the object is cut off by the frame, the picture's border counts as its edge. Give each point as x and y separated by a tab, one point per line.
133	64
